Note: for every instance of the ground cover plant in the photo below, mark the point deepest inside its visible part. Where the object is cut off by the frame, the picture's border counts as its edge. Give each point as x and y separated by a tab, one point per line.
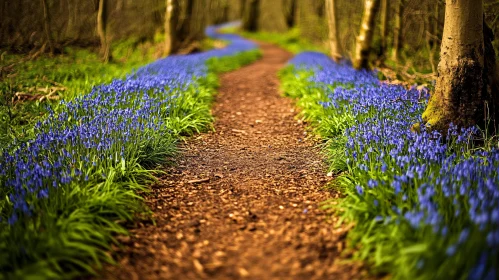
424	206
68	191
292	40
28	84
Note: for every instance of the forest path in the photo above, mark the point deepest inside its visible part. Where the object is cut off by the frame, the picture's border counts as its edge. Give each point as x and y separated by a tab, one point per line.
253	213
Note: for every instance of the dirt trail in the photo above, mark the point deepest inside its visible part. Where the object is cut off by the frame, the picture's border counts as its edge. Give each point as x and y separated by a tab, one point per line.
253	213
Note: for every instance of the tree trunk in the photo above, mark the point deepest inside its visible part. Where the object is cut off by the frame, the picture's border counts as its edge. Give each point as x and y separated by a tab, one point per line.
436	19
47	27
384	31
491	79
397	31
291	7
102	30
459	96
250	16
171	18
272	16
334	39
363	45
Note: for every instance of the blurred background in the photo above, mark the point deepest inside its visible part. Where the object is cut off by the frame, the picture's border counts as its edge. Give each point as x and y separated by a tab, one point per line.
27	26
63	43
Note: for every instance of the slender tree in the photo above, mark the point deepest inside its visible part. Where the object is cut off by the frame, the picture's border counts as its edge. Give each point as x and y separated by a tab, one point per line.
465	93
364	40
291	7
102	17
250	15
384	31
171	18
397	31
47	27
334	39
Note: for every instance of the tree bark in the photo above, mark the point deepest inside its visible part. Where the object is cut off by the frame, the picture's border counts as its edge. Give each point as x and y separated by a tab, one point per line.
436	19
272	16
251	14
171	18
102	30
47	27
491	79
364	40
459	96
334	39
291	7
397	31
384	31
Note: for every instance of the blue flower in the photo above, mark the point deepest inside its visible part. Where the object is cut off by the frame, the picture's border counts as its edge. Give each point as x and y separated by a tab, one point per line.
359	190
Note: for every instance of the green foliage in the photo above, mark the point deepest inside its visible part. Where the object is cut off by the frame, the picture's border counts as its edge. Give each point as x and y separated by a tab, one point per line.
328	123
75	227
226	64
380	237
67	75
292	40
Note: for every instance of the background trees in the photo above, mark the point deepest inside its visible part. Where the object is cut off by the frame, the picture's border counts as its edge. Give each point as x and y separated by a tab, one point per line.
102	26
406	33
366	34
29	26
334	40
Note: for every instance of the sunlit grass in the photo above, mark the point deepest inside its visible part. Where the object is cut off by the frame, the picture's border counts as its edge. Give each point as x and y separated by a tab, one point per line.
424	206
72	187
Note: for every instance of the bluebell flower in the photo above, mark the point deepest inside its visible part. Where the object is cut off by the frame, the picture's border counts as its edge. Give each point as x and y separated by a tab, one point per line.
102	122
451	250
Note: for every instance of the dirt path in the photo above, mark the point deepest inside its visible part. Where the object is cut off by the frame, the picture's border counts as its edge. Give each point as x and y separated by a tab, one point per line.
257	216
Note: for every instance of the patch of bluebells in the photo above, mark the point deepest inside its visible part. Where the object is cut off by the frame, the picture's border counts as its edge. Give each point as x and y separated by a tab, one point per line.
328	72
428	182
94	128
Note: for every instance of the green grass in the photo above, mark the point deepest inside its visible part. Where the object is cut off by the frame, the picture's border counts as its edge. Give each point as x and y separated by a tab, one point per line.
382	236
326	123
290	40
74	228
70	74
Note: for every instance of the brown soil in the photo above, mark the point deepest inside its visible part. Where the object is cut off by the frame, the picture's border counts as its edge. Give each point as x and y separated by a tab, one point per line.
243	202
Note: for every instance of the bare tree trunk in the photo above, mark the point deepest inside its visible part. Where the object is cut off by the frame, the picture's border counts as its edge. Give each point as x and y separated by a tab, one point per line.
397	31
491	78
120	5
459	96
47	27
251	14
243	5
226	11
334	39
171	18
384	31
272	17
363	45
102	30
70	24
436	18
291	7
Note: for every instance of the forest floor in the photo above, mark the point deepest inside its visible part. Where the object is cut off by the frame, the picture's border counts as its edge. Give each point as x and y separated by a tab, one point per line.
242	201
